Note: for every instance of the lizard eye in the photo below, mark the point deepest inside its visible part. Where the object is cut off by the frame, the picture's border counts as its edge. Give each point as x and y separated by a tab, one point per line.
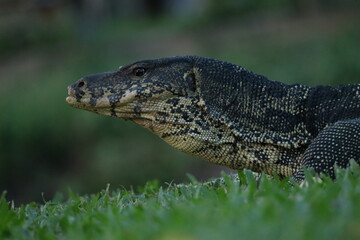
139	72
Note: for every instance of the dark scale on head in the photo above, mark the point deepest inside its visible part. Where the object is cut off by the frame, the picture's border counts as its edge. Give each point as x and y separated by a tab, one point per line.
163	114
173	101
137	109
186	117
113	112
261	155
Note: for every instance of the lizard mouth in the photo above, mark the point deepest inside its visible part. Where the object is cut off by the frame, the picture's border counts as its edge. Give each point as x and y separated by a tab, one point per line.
124	105
86	102
109	105
91	104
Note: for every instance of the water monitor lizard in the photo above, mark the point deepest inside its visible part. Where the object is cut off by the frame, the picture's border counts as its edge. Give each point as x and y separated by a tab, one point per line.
230	116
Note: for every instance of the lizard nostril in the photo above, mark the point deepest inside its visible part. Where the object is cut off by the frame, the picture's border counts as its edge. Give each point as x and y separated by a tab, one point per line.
81	84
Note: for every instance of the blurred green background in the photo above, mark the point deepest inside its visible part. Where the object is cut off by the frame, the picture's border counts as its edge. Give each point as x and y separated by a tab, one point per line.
47	146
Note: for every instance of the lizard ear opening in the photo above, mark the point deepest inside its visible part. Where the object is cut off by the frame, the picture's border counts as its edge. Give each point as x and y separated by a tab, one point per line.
190	79
191	83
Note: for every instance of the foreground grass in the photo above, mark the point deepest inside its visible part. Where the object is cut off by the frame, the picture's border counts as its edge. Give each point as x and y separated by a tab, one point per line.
264	209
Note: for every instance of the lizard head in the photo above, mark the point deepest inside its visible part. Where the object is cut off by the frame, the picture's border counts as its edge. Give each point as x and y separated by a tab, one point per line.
160	95
136	90
150	92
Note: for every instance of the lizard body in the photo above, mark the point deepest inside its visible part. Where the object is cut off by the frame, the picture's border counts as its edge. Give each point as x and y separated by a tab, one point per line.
227	115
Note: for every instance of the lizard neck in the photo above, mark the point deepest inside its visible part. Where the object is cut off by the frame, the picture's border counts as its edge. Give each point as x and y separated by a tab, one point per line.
205	137
257	109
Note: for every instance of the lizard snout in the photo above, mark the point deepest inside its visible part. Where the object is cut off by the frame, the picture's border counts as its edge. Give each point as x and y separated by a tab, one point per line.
88	89
71	91
76	90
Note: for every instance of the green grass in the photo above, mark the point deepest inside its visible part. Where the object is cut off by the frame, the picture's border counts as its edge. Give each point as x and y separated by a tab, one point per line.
264	209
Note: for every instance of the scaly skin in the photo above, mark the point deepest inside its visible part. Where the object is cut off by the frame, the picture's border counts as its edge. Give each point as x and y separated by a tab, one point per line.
227	115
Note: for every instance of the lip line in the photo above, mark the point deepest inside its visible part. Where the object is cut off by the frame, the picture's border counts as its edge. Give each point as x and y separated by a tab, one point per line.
73	101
